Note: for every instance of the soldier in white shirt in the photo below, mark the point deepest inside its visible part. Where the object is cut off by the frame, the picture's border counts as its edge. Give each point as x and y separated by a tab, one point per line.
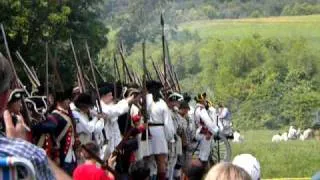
224	117
206	128
175	148
160	125
113	111
85	127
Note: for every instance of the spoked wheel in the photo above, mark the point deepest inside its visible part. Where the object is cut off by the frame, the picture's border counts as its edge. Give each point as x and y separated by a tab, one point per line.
220	150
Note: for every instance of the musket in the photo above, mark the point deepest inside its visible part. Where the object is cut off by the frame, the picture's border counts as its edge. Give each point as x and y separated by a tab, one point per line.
116	67
176	77
33	83
81	77
172	81
47	72
35	74
125	64
86	77
16	78
99	73
138	79
144	92
124	74
56	73
29	72
115	76
157	72
94	78
163	48
170	68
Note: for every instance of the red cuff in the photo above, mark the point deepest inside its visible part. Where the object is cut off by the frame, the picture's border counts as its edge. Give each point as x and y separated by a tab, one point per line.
135	118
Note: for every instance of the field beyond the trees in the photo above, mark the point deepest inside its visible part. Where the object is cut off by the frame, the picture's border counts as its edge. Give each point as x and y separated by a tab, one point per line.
280	27
291	159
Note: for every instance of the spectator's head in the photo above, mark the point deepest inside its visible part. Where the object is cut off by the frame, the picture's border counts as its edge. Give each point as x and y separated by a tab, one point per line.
227	171
249	163
5	81
93	148
316	176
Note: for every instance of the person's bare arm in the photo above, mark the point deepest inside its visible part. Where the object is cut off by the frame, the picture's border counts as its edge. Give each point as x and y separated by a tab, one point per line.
10	129
58	172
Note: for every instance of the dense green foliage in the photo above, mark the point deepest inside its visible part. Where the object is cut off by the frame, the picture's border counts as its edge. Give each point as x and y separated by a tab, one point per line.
269	80
285	160
29	24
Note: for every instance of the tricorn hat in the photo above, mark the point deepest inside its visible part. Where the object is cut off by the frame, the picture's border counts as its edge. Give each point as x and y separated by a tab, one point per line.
63	95
153	85
15	95
174	96
107	88
83	99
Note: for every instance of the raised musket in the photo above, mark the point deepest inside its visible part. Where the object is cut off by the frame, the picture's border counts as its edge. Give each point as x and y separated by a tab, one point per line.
94	79
163	48
157	72
33	78
16	78
126	68
79	71
47	72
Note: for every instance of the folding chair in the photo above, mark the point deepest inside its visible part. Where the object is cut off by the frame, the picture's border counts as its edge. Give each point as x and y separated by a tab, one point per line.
10	166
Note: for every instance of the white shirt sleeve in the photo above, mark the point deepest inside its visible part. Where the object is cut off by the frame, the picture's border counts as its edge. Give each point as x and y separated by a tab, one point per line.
168	123
208	121
224	113
115	110
149	101
198	135
86	125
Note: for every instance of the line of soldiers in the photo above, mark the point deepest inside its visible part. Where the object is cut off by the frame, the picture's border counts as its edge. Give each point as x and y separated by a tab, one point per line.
160	147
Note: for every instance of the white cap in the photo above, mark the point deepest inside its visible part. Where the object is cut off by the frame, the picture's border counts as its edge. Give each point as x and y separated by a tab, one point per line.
249	163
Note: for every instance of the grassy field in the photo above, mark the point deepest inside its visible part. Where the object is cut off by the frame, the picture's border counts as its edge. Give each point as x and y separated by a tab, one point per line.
284	159
307	27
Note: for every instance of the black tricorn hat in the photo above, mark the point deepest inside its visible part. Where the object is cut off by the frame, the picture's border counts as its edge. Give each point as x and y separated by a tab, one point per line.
186	97
107	88
15	95
153	85
83	99
63	95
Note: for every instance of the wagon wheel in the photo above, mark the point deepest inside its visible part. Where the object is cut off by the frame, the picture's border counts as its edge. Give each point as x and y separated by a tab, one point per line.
220	150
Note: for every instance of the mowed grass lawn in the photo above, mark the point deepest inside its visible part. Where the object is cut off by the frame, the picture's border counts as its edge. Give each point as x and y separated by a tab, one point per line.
279	160
307	27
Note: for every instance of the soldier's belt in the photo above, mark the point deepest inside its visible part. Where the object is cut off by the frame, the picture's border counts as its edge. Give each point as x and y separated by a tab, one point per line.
155	124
